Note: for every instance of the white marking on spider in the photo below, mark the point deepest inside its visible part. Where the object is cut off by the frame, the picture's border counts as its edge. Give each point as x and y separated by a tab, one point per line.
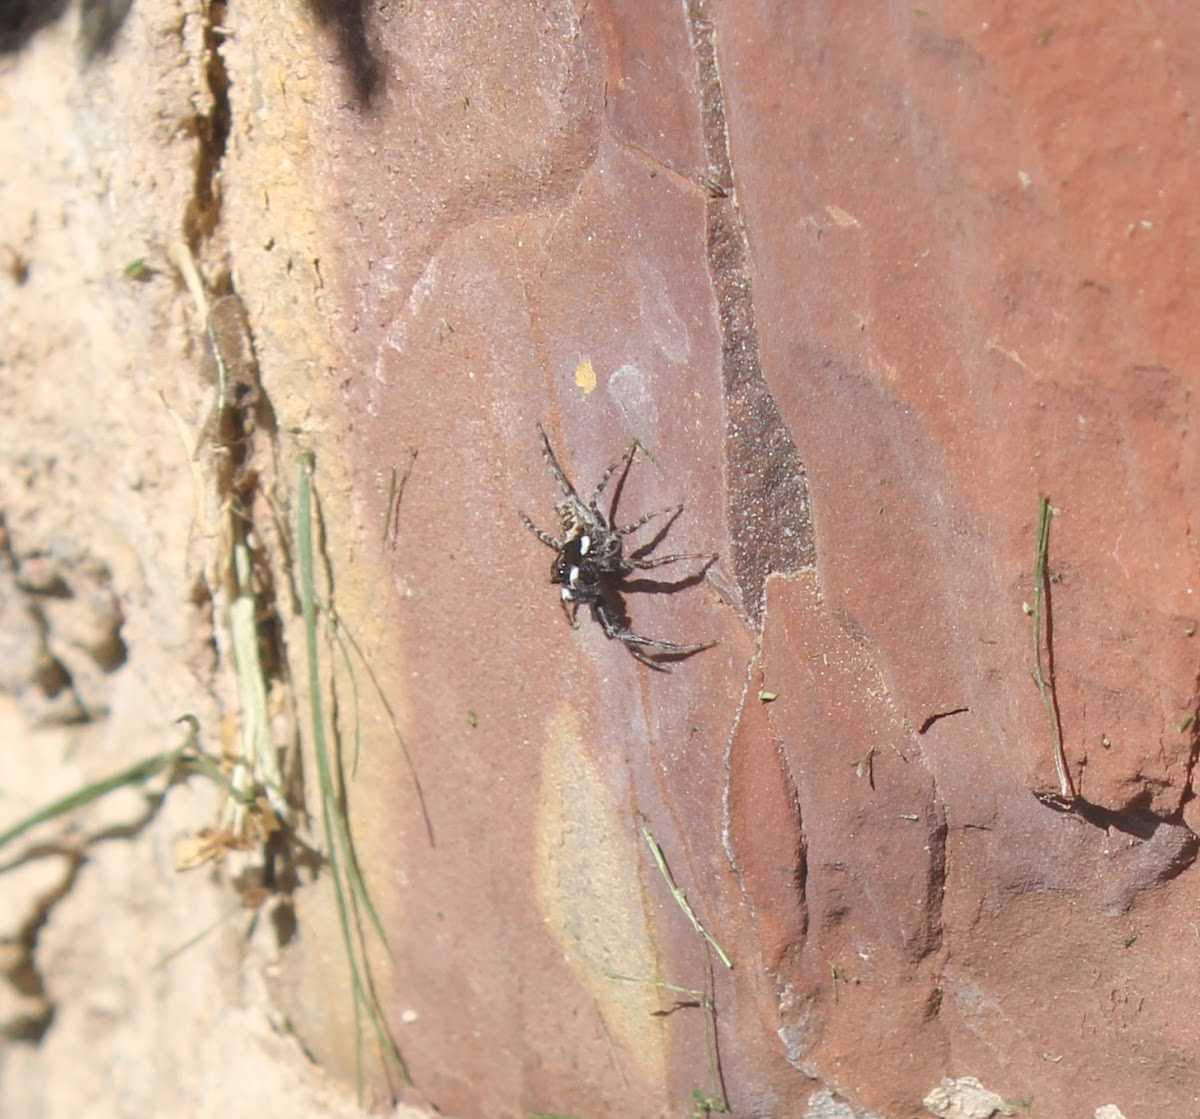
585	545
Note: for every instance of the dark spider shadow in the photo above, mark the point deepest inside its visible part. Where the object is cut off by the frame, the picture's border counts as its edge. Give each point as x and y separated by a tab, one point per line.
646	585
347	20
619	487
661	661
615	591
613	598
642	551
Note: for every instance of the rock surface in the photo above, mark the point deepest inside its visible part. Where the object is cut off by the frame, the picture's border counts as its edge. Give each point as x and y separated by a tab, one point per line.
866	287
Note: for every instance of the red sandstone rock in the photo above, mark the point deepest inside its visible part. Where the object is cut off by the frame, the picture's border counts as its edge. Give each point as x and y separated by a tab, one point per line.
918	267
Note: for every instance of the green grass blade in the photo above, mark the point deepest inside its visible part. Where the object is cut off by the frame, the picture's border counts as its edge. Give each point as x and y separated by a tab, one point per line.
188	758
1041	635
136	774
412	769
349	888
681	899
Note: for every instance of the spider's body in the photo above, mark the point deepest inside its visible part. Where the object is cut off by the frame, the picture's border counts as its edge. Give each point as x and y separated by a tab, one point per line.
590	562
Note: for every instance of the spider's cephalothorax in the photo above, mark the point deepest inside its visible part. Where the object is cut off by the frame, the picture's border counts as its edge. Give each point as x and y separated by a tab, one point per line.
590	563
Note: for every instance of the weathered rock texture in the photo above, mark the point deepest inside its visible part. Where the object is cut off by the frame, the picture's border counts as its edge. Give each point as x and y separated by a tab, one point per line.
866	283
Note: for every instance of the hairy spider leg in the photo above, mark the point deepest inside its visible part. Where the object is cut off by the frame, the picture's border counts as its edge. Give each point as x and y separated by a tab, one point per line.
657	561
622	464
555	468
673	510
642	655
637	644
544	537
586	529
635	560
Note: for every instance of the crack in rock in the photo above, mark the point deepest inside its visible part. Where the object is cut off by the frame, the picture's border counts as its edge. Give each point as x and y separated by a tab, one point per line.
767	500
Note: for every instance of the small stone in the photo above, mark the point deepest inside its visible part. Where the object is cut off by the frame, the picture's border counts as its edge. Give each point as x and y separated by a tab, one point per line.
963	1097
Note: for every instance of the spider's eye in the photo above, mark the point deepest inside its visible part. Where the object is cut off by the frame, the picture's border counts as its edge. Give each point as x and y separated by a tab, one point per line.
585	544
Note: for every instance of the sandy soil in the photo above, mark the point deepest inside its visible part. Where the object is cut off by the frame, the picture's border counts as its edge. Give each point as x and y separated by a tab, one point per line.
129	987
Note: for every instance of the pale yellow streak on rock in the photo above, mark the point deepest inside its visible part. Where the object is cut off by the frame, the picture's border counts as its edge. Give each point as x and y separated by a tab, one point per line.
590	889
